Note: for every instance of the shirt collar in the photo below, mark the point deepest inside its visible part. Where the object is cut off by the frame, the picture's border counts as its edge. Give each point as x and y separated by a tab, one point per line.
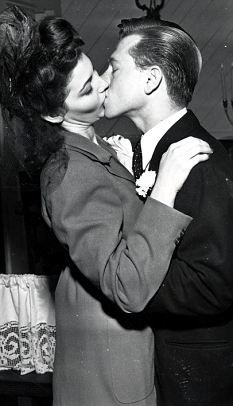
150	139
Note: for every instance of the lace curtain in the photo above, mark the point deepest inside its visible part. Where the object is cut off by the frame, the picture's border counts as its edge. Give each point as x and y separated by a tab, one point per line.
27	323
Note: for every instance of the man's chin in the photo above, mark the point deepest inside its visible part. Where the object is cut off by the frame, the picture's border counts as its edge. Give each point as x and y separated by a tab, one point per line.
111	111
109	114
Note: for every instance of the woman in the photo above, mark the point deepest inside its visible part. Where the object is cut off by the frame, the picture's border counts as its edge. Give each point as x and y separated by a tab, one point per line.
104	356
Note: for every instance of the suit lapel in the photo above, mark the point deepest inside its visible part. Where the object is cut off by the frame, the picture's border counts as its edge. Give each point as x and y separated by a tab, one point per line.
101	152
180	130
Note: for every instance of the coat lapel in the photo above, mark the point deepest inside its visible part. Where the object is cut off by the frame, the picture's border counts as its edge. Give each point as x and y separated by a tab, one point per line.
180	130
101	152
115	166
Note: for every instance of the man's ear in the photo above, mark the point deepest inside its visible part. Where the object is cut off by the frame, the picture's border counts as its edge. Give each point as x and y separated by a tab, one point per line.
53	119
154	78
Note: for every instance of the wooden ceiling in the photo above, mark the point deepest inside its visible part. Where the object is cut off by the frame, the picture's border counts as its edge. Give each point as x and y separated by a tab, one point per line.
210	22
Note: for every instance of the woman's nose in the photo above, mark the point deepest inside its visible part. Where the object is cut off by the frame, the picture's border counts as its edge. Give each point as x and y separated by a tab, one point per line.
106	75
103	84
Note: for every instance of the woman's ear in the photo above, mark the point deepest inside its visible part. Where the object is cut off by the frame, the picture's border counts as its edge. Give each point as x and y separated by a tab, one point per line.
154	78
53	119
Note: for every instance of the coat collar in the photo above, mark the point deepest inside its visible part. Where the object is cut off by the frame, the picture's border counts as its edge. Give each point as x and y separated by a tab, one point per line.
101	152
75	141
180	130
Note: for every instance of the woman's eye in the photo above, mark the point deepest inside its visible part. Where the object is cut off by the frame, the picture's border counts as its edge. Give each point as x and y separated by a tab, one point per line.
88	91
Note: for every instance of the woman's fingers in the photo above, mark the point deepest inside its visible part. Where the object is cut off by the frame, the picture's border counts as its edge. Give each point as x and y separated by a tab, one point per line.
196	159
189	147
175	166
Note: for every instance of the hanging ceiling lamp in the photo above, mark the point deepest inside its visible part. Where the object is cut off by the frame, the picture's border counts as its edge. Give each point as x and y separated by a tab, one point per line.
153	10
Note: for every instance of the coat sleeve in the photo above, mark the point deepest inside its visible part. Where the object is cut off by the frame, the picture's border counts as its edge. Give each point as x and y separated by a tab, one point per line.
200	277
87	217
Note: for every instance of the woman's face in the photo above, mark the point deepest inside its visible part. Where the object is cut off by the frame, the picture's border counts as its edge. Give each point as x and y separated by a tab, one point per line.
86	94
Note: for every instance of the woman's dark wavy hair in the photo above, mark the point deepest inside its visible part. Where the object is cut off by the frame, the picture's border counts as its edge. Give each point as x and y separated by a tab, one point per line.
36	60
167	45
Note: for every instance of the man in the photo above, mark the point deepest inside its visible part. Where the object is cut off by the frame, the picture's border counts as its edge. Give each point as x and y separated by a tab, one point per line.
152	76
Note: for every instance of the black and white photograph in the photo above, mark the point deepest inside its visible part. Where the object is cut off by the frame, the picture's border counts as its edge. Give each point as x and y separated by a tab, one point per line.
116	203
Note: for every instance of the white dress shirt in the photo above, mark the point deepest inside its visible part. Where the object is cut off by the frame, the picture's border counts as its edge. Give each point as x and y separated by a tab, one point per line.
150	139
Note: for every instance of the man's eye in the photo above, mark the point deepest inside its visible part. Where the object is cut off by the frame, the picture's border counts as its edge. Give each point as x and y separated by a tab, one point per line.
114	70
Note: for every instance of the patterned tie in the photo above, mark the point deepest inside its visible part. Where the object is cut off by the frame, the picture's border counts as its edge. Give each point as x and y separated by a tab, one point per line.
137	161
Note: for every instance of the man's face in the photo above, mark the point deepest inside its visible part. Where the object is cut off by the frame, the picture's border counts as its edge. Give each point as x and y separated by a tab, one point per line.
125	94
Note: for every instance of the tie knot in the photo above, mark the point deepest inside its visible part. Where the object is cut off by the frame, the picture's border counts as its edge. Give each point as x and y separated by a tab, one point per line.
137	161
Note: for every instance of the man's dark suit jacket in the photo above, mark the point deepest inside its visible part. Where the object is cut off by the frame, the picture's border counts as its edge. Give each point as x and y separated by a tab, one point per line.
192	312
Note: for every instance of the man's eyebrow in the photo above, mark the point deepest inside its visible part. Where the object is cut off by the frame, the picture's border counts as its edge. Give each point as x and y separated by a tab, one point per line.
87	81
